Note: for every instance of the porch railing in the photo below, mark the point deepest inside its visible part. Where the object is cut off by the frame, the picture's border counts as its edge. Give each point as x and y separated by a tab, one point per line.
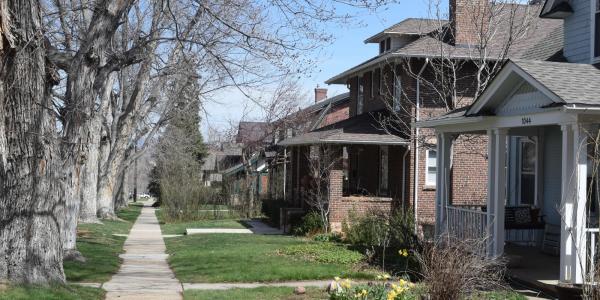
593	238
464	223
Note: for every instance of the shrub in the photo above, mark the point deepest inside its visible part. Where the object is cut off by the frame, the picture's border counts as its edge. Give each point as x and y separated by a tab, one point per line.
185	201
454	269
381	234
311	224
328	237
323	252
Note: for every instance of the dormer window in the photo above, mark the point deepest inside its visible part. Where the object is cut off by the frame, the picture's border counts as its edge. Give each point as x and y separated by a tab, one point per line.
385	45
596	28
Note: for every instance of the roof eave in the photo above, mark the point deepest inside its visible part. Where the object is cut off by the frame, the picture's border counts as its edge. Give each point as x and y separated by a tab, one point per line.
450	121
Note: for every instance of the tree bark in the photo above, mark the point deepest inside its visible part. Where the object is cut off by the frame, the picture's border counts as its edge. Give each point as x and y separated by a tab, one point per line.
30	240
89	186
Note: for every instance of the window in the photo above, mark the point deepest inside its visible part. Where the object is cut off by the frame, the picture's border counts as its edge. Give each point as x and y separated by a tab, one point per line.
388	44
596	29
381	81
372	84
381	46
383	170
361	96
431	165
397	92
527	166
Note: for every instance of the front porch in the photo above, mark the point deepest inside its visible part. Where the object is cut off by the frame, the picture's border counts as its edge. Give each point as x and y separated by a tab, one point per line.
542	163
366	167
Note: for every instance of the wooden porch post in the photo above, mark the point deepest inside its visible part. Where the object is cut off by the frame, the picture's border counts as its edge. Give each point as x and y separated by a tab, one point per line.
573	207
496	191
444	152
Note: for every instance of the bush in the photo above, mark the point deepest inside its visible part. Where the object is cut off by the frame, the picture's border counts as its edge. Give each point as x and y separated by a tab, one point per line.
328	237
185	201
323	252
454	269
311	224
383	234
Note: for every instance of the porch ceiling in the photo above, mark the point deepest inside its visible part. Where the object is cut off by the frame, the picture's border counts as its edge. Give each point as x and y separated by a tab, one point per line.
363	129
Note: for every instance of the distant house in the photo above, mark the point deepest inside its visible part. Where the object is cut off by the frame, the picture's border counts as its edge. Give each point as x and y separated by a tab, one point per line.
542	121
219	158
386	167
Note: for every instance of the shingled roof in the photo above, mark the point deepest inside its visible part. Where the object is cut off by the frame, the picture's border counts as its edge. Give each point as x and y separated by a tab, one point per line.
572	84
542	39
410	26
362	129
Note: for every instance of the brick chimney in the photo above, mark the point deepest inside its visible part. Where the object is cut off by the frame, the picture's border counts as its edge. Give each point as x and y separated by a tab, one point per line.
320	94
468	20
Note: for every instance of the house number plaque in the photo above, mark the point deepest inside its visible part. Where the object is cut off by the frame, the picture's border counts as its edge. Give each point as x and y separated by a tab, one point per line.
526	120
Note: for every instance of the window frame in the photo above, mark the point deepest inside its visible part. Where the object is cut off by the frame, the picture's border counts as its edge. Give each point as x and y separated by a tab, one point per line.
384	172
397	92
594	27
521	142
381	81
372	84
360	95
430	179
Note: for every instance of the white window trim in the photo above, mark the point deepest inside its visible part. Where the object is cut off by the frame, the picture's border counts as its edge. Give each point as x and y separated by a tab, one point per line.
522	140
593	10
429	181
397	92
360	96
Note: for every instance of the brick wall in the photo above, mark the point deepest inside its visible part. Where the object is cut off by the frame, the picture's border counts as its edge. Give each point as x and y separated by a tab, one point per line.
340	207
338	113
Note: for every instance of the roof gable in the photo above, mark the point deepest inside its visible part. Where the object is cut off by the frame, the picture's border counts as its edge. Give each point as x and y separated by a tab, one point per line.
525	98
508	92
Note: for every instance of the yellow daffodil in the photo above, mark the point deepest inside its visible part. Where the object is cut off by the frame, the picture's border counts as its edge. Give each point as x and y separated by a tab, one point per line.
364	292
336	278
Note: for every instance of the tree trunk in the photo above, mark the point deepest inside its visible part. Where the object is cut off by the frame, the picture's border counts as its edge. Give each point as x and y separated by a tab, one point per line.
123	191
89	185
30	244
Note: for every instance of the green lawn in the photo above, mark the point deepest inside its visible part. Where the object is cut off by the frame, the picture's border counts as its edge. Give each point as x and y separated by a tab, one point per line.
250	258
101	248
271	293
180	227
69	292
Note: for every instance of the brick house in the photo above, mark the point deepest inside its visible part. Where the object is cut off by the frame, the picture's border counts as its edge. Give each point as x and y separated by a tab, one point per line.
324	111
387	162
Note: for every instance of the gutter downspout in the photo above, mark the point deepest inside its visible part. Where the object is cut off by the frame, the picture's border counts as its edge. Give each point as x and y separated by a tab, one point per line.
404	174
418	118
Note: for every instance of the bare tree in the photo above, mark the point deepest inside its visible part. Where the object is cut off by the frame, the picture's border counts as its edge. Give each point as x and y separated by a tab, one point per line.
238	43
322	159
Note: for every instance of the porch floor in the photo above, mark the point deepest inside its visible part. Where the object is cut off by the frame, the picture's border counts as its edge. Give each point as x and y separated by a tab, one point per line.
533	267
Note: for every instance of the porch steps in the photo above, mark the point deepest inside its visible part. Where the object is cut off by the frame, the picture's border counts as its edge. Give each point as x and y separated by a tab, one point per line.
532	290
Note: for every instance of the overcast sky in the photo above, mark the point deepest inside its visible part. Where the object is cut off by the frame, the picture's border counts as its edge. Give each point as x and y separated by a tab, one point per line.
346	51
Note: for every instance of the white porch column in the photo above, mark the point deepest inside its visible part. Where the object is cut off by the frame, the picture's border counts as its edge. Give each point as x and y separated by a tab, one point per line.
444	154
573	205
496	190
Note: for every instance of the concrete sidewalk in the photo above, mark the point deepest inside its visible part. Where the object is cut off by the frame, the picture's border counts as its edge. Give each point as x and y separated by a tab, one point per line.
144	273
